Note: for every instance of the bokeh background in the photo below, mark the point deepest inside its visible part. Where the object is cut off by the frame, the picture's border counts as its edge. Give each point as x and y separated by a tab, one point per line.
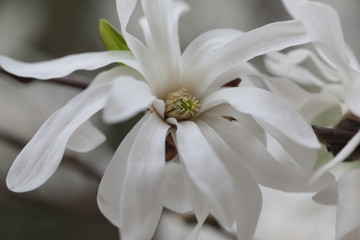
65	207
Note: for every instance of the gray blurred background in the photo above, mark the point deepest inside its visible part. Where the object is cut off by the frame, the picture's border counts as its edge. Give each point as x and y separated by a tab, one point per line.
34	30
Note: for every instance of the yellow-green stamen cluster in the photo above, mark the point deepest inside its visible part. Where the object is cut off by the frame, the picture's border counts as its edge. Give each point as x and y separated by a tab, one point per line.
181	105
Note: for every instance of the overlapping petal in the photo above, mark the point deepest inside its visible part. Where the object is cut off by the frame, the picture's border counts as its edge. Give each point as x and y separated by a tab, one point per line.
176	198
265	169
139	169
85	138
348	217
269	38
64	66
246	192
127	98
42	155
279	117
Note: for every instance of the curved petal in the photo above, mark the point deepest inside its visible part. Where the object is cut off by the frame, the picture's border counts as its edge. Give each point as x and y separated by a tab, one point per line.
207	172
355	97
267	107
203	47
162	17
288	65
266	170
109	193
114	73
348	218
246	192
328	195
269	38
328	38
42	155
141	180
127	98
143	55
341	156
85	138
307	103
63	66
175	195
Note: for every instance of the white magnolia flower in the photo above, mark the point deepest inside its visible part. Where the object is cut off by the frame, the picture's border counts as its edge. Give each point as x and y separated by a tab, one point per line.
218	131
323	25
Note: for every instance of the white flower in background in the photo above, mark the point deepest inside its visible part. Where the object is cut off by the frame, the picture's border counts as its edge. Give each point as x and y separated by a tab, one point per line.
340	67
218	131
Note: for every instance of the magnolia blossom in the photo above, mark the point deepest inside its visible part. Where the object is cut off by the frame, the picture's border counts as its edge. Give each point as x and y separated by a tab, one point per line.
218	131
341	72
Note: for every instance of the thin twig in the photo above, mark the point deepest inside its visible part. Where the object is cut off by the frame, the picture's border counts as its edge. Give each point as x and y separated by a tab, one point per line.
72	80
67	158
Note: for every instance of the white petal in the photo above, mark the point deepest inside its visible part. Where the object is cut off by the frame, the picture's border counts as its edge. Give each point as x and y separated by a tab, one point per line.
322	23
85	138
289	66
128	97
63	66
109	193
266	170
209	174
341	156
328	195
246	192
42	155
267	107
204	47
114	73
162	17
348	217
269	38
246	120
175	196
143	55
307	103
140	180
355	97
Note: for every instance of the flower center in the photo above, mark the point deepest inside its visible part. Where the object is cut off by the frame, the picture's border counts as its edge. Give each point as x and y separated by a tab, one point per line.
181	105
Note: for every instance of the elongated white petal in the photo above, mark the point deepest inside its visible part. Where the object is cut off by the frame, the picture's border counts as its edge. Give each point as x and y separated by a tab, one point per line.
85	138
63	66
308	104
269	38
328	195
248	199
162	17
176	198
128	97
208	173
114	73
355	97
42	155
142	197
267	107
141	183
246	120
203	47
328	38
267	171
143	55
288	65
341	156
348	217
110	187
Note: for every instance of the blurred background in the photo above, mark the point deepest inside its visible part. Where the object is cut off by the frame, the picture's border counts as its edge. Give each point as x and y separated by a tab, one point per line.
65	207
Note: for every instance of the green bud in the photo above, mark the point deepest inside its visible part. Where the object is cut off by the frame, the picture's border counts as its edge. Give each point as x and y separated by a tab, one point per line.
110	37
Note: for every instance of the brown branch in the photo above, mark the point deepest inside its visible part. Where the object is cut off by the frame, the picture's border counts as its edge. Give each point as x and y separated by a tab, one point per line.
67	158
335	140
71	80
